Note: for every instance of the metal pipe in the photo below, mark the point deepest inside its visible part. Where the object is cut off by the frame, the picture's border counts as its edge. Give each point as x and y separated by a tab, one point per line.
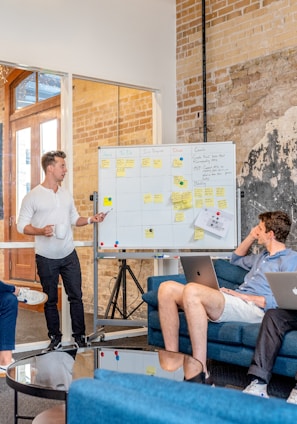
204	74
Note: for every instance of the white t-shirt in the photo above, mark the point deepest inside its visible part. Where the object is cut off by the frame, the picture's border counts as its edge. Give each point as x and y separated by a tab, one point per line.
41	207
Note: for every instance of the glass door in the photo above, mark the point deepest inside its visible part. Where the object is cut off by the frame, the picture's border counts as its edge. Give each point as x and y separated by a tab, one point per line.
31	137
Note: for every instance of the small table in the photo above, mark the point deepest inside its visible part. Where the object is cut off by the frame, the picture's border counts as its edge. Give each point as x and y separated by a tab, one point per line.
46	375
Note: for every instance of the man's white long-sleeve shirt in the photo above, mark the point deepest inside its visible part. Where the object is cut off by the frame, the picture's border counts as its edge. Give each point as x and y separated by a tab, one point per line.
41	207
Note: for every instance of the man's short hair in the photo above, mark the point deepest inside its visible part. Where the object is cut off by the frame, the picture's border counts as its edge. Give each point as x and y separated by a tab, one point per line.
48	158
279	222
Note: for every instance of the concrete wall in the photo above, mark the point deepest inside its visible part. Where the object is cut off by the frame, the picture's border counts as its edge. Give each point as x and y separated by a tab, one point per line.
131	42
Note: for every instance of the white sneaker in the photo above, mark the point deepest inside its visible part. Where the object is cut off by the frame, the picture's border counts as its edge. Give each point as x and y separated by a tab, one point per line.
3	368
257	389
31	297
293	396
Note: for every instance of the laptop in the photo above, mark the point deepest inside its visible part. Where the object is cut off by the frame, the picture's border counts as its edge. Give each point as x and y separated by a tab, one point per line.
284	288
199	269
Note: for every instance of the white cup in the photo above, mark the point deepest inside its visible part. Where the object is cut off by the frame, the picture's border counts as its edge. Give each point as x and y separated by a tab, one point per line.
60	231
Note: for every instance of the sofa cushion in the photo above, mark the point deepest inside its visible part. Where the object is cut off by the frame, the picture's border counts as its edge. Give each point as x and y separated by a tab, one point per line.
224	332
288	347
151	298
250	334
229	275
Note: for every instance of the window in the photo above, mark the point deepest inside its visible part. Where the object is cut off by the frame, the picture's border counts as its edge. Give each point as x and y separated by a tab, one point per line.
35	88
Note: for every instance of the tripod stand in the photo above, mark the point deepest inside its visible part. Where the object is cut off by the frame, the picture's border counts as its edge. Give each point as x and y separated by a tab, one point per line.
122	281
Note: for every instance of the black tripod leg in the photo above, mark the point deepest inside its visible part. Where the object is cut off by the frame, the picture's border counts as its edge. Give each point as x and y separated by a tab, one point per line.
113	300
135	279
114	295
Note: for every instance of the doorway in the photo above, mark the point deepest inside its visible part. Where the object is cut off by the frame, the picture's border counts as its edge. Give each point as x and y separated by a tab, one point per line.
33	118
30	138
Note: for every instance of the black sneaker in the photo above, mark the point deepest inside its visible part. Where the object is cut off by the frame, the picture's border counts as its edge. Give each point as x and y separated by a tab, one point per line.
79	341
56	343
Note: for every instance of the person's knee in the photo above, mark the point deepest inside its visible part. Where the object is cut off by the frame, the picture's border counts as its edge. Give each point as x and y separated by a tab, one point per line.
166	289
193	290
192	293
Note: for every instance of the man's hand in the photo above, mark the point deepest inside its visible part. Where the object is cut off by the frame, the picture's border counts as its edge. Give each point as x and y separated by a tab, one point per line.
259	301
99	217
48	230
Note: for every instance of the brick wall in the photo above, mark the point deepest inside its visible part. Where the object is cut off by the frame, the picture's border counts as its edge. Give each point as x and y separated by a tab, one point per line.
251	93
250	64
105	115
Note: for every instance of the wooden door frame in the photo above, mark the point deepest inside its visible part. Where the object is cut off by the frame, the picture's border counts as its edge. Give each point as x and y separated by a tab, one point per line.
8	150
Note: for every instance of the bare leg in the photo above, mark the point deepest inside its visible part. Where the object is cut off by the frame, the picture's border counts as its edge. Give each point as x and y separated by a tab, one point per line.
170	296
5	357
201	303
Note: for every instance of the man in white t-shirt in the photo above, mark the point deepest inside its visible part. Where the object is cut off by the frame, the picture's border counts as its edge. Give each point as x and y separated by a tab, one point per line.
48	212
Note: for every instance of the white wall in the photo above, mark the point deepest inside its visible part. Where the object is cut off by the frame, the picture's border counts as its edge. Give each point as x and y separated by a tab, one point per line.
122	41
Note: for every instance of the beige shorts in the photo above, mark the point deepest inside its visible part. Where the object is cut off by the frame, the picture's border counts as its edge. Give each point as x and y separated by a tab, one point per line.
237	309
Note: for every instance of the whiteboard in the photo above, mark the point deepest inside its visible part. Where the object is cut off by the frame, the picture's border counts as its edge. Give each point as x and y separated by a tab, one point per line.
177	196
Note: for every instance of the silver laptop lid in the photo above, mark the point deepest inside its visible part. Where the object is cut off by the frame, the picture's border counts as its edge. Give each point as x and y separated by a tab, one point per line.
199	269
284	288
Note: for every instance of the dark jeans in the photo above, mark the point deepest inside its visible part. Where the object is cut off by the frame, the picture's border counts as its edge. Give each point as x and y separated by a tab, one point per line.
276	323
8	317
69	269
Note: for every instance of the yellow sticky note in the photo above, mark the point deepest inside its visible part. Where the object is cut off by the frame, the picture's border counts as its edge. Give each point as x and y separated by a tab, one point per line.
209	202
157	163
198	233
198	192
105	163
147	198
208	191
120	163
150	370
176	196
222	204
121	172
130	163
177	163
187	205
198	203
179	217
187	196
107	201
177	179
146	162
220	192
149	233
158	198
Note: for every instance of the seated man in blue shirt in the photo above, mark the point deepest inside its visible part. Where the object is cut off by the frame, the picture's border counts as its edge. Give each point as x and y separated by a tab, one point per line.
276	323
248	303
9	298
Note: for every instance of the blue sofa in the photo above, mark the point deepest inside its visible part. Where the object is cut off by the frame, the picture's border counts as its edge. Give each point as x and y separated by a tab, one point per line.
232	342
114	397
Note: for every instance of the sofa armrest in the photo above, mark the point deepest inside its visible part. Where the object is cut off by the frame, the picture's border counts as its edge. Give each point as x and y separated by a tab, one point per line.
153	283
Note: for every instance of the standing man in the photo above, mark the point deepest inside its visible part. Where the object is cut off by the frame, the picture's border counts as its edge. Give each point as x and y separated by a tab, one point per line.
248	303
48	212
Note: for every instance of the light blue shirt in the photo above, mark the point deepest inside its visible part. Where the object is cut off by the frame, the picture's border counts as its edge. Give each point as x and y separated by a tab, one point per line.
255	282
